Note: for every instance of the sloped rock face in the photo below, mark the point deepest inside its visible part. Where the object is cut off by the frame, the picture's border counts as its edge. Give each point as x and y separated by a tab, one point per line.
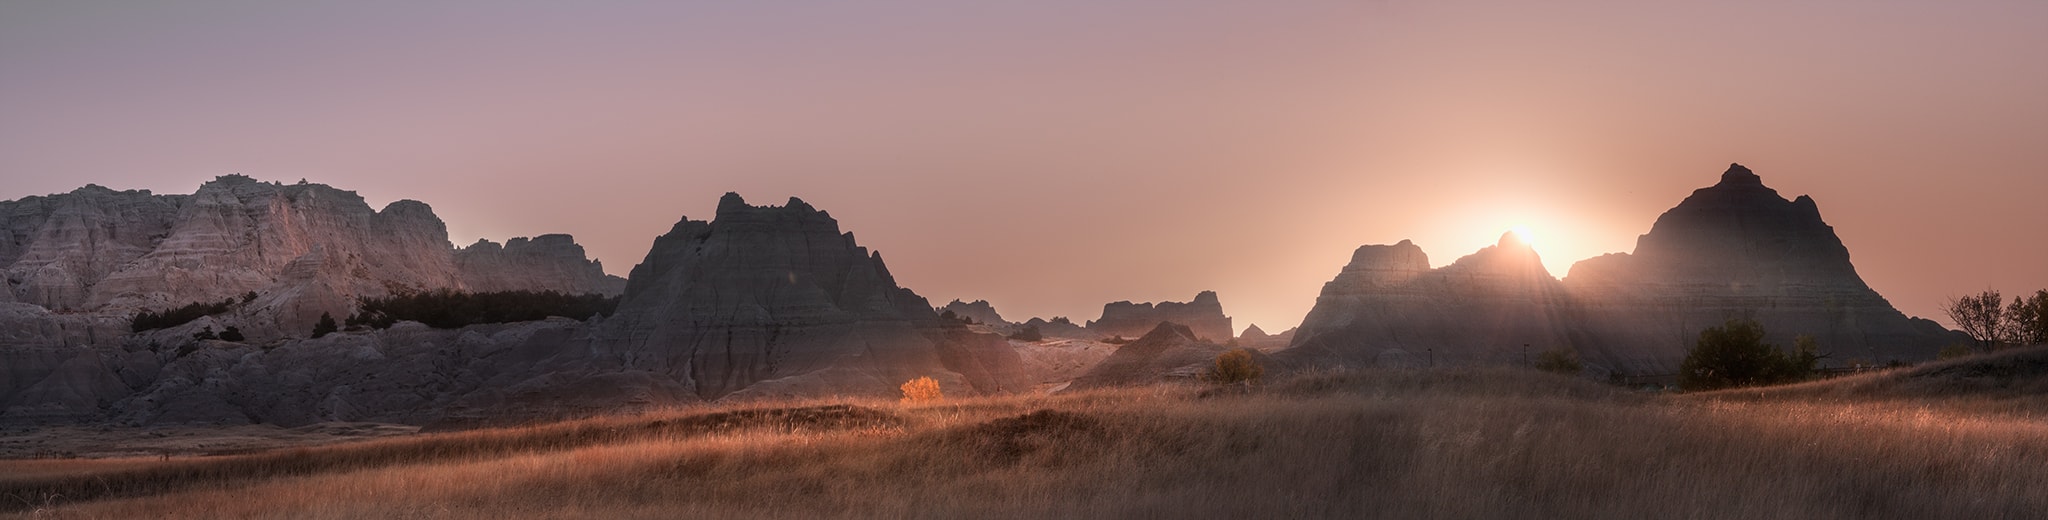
775	300
1481	309
543	263
1733	250
1738	249
1203	315
1169	351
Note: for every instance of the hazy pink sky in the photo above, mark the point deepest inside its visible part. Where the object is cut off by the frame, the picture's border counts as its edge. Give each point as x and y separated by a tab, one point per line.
1051	156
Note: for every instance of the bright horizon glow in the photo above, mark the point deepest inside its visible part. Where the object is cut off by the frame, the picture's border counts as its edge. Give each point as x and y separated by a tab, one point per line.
1523	234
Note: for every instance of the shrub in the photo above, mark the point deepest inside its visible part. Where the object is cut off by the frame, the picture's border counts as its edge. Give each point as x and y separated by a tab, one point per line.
1028	333
1562	360
231	334
325	326
205	334
922	389
1735	354
1235	366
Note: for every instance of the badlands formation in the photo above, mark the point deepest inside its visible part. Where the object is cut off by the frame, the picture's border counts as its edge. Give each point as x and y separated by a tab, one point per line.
778	301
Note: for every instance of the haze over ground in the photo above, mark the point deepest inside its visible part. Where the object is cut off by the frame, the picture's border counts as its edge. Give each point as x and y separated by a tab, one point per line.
1054	156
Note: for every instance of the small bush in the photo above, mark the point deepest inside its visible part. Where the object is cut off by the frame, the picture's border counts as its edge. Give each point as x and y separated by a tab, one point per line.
1235	366
922	389
1954	350
1562	360
231	334
1028	333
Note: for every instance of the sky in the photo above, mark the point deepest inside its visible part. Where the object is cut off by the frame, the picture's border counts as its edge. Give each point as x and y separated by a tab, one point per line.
1051	156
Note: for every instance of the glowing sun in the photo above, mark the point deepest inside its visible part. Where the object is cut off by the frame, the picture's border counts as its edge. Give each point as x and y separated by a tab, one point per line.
1522	233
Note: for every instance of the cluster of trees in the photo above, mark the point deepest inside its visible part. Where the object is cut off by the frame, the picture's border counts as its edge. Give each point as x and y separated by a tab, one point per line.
449	309
1734	354
151	320
1992	322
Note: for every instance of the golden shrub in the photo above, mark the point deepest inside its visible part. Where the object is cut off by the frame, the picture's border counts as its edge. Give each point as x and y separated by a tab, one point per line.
922	389
1235	366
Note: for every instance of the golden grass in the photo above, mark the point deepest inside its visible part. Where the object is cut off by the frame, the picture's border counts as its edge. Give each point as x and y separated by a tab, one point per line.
1374	444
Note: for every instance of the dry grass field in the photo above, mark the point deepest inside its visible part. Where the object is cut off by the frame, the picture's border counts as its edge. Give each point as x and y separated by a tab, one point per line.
1961	439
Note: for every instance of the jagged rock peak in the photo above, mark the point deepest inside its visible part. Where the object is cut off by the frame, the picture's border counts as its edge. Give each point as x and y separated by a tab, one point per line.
1253	332
979	310
732	204
1738	175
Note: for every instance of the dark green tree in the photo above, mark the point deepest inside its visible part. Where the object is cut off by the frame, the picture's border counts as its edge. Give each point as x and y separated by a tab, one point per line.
1735	355
325	326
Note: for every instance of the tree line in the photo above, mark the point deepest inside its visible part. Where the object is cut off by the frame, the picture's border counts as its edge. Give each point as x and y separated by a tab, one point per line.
1993	323
450	309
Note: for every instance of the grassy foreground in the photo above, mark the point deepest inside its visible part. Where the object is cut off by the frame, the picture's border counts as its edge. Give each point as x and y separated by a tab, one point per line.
1453	443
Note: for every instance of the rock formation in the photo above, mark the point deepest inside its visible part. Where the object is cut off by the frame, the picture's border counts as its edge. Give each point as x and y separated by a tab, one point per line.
980	311
1203	315
1169	352
775	300
1257	338
1738	249
1481	309
77	266
1733	250
544	263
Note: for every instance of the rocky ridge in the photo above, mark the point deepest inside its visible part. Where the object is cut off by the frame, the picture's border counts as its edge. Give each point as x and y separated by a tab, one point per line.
1733	250
1203	315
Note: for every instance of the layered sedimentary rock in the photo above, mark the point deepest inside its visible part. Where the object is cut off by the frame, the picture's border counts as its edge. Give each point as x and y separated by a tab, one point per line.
1203	315
775	300
77	266
304	249
1733	250
1739	250
1389	304
552	262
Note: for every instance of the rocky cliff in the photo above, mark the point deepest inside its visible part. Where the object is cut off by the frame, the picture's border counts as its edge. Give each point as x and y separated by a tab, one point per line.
543	263
1203	315
77	266
1733	250
775	300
